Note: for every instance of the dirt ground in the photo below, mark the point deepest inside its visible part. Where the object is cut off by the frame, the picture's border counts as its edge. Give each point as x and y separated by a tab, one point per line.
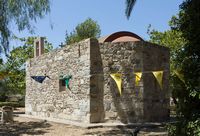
27	127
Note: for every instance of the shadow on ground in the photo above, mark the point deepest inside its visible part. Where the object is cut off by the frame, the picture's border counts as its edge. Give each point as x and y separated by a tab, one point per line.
116	131
130	131
19	128
111	132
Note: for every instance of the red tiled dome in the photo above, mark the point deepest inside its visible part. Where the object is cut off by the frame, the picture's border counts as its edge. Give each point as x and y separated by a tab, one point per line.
122	36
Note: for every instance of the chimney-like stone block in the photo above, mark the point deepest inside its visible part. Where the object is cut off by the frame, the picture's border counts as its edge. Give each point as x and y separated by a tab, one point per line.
38	46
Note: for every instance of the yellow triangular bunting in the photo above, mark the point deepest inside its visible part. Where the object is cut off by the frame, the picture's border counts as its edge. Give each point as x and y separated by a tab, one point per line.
138	76
179	75
1	77
159	76
118	81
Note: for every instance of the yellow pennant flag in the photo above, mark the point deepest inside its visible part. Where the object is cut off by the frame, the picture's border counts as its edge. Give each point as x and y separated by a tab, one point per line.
1	77
118	80
179	75
159	76
138	76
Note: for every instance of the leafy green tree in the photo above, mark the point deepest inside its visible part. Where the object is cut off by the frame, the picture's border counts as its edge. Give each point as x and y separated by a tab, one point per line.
88	29
174	40
15	65
186	63
188	23
21	13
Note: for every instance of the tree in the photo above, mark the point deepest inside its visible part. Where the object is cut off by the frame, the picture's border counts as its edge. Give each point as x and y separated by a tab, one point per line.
129	7
88	29
186	62
14	68
21	13
174	40
188	23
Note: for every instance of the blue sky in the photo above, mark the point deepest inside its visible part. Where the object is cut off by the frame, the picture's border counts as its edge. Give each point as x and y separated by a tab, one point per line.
110	15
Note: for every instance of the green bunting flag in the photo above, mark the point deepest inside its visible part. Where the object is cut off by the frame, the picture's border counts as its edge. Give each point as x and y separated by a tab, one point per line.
66	78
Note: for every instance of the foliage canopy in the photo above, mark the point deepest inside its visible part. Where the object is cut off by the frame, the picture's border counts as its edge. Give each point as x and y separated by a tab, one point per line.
129	7
183	40
88	29
21	13
13	70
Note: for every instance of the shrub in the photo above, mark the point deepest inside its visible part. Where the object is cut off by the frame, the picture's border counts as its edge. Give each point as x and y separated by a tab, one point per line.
12	104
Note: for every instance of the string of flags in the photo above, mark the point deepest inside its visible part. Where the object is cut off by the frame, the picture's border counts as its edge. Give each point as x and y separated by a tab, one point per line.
179	75
159	76
39	79
138	76
117	77
66	78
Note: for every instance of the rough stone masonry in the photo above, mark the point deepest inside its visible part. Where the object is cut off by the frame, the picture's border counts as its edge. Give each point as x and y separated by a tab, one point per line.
93	95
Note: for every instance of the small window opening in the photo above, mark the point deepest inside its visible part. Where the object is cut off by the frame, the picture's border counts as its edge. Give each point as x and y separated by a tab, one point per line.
62	85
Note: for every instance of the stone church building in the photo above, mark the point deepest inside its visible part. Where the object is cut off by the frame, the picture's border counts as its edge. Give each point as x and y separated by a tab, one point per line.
91	95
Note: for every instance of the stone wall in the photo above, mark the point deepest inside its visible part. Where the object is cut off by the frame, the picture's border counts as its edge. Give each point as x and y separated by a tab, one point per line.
137	103
46	100
96	83
94	96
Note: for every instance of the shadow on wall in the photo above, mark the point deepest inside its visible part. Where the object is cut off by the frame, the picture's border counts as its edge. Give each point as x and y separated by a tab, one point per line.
96	84
125	103
155	98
